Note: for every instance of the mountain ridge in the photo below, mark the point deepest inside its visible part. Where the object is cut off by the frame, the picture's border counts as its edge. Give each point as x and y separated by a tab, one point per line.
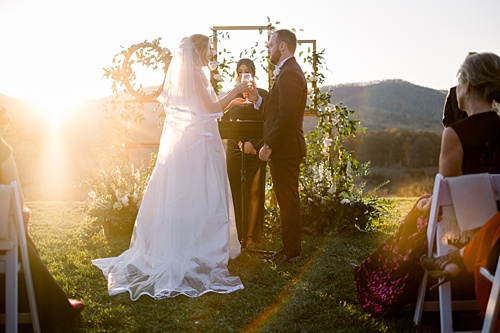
382	105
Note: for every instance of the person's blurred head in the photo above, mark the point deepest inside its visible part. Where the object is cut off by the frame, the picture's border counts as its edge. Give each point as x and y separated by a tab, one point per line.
244	65
202	44
480	72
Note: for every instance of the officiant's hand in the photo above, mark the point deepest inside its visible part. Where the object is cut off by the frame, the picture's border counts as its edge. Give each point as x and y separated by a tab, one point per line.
248	148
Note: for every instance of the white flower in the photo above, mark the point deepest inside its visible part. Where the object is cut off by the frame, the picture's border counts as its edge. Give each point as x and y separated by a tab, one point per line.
313	78
117	205
92	194
213	65
348	170
217	77
327	142
276	71
332	190
124	201
345	201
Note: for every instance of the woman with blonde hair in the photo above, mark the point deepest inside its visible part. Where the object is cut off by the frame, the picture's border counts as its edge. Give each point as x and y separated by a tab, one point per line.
389	278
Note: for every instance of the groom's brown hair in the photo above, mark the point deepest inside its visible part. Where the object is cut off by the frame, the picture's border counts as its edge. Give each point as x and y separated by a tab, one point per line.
287	37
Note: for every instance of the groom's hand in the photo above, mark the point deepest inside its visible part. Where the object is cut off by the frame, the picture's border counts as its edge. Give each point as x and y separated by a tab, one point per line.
265	153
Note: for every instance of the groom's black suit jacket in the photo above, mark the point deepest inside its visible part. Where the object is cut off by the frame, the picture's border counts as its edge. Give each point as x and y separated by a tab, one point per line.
284	113
283	132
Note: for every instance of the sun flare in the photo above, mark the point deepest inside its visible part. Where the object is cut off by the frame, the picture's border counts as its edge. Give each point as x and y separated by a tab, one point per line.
54	109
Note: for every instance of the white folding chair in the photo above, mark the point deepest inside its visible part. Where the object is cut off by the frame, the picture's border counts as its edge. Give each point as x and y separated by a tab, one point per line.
441	197
493	302
13	239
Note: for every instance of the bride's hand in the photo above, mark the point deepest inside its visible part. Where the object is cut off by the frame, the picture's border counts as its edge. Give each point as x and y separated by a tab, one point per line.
242	87
239	101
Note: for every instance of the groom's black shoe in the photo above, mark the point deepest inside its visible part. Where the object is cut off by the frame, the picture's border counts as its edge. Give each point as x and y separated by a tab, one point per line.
281	256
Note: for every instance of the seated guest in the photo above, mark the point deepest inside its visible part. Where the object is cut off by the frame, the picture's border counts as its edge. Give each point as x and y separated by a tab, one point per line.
389	278
55	310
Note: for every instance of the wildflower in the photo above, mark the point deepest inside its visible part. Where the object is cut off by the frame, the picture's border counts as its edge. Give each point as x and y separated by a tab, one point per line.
117	205
333	189
345	201
124	201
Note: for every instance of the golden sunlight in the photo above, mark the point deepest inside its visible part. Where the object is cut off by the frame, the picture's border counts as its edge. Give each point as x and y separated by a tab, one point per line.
56	168
55	109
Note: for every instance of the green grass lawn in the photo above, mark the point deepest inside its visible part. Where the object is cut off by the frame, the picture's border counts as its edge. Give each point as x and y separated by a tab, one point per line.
316	294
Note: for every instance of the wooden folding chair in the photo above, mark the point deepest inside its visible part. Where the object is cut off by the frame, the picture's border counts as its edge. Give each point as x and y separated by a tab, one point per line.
441	197
12	240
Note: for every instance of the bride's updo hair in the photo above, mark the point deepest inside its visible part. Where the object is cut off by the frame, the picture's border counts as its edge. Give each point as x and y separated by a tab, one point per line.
482	70
202	44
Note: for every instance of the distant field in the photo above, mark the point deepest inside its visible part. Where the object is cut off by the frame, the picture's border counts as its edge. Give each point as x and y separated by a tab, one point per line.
403	182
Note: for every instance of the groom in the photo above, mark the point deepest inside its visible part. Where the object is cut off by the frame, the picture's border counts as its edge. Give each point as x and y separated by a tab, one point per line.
285	146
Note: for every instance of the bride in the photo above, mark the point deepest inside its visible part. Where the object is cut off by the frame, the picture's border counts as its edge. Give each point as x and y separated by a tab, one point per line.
185	230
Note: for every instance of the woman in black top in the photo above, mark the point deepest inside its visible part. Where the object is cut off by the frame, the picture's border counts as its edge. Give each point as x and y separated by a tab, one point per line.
244	109
388	279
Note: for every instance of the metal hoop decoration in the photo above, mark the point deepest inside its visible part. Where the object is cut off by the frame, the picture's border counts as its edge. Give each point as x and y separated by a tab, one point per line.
162	56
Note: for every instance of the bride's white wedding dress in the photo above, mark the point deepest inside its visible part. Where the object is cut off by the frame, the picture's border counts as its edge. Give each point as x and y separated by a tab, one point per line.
185	230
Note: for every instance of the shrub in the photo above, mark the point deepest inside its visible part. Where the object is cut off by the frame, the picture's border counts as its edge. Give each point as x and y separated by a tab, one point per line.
115	195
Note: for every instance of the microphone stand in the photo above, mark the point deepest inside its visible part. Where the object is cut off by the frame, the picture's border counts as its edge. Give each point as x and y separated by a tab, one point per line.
240	130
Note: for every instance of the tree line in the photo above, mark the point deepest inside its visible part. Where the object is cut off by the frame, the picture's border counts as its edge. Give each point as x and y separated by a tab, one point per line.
397	148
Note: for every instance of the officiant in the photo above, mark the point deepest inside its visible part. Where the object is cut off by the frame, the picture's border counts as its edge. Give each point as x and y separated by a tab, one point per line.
249	106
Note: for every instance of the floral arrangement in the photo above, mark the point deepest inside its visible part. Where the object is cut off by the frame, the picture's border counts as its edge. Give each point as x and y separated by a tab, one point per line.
114	197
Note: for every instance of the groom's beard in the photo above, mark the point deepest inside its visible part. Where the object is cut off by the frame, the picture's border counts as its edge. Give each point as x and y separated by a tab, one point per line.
275	57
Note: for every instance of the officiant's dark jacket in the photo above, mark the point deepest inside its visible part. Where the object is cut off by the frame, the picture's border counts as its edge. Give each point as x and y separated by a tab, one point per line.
284	113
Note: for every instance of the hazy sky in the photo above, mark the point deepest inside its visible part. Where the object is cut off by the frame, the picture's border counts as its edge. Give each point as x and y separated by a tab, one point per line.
56	49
